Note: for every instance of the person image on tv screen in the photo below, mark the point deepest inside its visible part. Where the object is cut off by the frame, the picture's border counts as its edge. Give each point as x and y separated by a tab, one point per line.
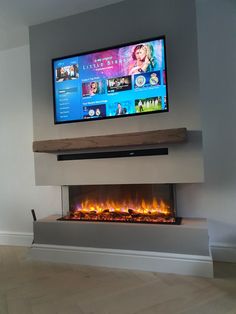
76	70
120	110
140	106
116	83
93	88
62	74
143	59
72	72
122	81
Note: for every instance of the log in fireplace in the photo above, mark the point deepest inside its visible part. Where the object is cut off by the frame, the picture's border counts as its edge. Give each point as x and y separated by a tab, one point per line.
130	203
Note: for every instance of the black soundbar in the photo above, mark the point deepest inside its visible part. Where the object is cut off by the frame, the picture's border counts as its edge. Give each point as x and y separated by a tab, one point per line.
114	154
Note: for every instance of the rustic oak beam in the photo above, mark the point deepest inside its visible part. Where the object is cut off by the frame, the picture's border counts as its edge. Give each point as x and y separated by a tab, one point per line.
167	136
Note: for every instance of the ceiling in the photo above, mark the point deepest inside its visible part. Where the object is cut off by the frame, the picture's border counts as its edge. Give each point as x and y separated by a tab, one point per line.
17	15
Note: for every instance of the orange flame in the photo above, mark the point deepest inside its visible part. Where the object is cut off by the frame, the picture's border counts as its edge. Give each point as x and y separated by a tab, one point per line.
142	207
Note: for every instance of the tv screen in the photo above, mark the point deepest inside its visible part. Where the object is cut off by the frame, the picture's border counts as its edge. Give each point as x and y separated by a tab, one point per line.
120	81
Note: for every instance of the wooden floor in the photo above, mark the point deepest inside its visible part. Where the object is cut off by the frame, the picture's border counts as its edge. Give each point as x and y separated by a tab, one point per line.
37	287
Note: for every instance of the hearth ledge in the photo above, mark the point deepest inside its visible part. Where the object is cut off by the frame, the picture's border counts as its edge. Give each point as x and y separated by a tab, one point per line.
182	249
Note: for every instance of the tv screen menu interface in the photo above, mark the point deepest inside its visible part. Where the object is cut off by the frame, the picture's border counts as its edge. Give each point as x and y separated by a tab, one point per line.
114	82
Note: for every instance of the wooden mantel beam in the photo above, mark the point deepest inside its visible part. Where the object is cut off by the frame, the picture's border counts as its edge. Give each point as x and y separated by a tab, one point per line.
157	137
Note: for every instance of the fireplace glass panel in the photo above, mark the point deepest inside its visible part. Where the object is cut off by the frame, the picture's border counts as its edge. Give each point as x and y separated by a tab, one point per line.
140	203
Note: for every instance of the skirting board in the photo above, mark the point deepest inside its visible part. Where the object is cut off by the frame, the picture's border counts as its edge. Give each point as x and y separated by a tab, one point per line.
223	252
16	238
183	264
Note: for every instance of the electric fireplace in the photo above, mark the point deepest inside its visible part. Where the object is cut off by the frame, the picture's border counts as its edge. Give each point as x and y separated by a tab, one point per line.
129	203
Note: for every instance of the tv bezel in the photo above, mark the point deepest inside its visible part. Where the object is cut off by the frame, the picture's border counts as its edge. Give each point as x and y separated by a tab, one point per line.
104	49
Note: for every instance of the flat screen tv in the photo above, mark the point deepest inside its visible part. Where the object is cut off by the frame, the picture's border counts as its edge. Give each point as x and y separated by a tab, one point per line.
122	81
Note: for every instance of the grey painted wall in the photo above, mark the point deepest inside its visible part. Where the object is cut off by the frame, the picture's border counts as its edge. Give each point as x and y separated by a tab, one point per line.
123	22
216	198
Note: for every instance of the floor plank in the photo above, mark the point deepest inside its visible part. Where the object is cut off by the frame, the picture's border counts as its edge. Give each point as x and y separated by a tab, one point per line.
31	287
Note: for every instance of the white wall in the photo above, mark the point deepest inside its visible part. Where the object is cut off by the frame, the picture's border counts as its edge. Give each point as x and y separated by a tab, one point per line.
18	193
216	198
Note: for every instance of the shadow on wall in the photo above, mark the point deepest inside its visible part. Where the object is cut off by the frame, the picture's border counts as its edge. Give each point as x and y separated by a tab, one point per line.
223	241
213	201
225	235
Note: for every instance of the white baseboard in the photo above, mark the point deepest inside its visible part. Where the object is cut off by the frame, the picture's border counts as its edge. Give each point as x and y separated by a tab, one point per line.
126	259
223	252
16	238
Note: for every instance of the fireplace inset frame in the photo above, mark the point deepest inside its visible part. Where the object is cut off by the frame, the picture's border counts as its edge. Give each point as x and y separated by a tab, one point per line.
132	195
